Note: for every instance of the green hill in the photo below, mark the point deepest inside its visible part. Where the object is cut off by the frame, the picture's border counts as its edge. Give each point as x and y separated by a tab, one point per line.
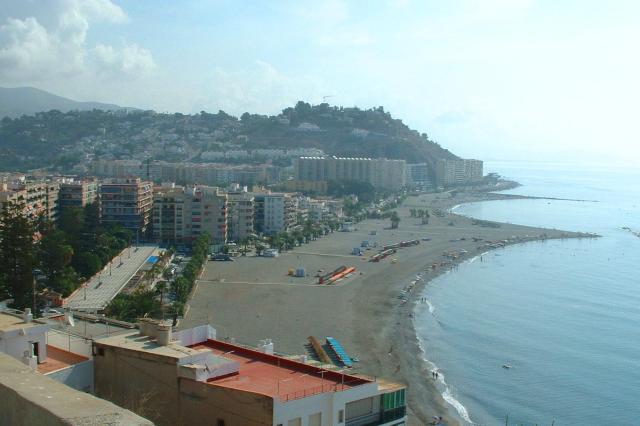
64	139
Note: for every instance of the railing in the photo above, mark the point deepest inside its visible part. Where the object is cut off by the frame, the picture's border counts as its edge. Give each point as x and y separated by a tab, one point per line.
378	418
329	387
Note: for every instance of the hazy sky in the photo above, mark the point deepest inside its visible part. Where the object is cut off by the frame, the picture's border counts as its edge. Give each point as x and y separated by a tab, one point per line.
491	79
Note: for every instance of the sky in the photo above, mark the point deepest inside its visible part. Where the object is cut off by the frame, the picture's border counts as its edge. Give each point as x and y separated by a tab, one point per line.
547	80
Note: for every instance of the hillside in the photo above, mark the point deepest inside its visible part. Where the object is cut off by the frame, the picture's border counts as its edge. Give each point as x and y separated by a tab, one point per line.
63	140
18	101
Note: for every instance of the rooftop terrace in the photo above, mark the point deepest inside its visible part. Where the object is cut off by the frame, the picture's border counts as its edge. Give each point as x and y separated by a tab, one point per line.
58	359
275	376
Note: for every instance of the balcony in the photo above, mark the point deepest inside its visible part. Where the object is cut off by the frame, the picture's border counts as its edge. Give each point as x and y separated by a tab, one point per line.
380	418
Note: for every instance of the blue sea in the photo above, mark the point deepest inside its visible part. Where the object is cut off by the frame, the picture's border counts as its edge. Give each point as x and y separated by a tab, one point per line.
565	315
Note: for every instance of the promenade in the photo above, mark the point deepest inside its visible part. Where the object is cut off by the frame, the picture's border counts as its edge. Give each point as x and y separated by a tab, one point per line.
96	294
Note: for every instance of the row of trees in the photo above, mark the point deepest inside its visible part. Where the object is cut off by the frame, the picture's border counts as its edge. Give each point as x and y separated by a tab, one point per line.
421	214
288	240
150	303
36	254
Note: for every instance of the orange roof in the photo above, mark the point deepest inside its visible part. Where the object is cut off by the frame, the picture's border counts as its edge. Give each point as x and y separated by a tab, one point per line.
275	376
58	359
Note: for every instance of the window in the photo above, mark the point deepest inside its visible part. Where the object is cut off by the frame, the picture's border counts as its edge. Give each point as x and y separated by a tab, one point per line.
220	422
341	416
315	419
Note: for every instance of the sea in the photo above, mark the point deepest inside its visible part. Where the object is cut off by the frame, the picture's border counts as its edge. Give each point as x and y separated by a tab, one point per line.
564	315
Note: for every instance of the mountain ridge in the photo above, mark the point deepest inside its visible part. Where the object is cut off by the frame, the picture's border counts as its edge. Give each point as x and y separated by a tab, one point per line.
18	101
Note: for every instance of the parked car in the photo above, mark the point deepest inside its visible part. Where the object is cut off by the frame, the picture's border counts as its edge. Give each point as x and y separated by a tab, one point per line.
270	253
222	257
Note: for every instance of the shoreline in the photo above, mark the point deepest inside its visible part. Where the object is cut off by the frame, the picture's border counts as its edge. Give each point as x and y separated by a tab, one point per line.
408	322
363	312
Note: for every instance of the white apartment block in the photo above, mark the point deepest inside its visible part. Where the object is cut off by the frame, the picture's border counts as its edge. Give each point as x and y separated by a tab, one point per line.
381	173
181	214
240	216
458	172
274	213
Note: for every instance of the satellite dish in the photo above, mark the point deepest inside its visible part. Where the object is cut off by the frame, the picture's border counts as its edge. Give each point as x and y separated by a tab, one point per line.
68	318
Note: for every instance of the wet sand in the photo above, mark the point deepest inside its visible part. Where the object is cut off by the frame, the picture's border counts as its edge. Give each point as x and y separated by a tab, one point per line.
254	298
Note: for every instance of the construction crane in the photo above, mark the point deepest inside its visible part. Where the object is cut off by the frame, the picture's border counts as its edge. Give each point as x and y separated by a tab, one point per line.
324	98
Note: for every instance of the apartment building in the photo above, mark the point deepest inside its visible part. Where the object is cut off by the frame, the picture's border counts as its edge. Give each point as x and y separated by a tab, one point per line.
418	176
191	377
240	215
187	173
38	198
78	193
127	202
181	214
274	213
381	173
458	172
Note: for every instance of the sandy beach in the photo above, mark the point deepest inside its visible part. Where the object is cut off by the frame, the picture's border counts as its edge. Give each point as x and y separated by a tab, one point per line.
254	298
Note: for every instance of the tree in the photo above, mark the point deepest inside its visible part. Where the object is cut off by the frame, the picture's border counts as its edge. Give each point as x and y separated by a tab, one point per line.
395	220
425	217
17	256
55	255
71	222
161	289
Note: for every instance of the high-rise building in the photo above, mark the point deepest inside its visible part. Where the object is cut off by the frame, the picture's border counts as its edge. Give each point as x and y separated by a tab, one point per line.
37	198
458	172
381	172
241	215
418	176
181	214
127	202
274	213
78	193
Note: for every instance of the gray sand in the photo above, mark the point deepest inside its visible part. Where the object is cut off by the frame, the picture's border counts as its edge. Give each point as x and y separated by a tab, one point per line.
254	298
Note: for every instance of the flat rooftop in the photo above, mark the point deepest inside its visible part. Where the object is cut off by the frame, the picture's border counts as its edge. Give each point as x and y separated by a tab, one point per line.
9	322
134	341
275	376
58	359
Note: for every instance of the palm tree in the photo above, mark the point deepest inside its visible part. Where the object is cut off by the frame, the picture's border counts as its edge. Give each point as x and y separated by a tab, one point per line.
161	289
395	220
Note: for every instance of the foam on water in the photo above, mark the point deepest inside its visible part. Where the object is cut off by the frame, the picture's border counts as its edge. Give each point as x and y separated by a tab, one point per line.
447	393
563	312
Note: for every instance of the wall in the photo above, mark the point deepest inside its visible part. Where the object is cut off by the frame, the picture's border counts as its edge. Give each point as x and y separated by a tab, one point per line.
149	385
78	376
14	343
201	403
139	381
328	404
70	343
28	398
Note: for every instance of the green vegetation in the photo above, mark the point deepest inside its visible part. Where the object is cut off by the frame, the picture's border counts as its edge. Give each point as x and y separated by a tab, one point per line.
181	287
395	220
129	307
17	256
422	214
363	190
67	255
61	140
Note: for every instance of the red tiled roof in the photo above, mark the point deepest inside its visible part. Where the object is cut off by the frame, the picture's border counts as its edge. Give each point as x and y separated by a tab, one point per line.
57	359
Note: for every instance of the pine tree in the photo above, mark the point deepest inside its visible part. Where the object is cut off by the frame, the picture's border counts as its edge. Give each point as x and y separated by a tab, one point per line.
17	256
